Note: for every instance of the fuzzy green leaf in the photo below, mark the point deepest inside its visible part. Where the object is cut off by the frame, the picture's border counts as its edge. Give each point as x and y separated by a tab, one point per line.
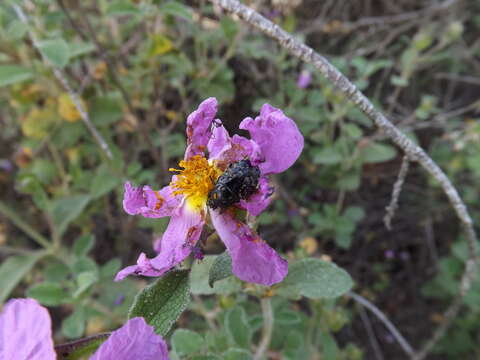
12	74
221	268
48	293
13	270
187	342
163	301
56	51
315	278
238	328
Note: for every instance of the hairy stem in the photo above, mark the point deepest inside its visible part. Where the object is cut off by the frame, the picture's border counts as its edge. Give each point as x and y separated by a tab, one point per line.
267	313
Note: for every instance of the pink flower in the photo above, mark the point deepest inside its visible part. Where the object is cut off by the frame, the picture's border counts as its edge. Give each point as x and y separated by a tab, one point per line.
26	334
275	145
304	79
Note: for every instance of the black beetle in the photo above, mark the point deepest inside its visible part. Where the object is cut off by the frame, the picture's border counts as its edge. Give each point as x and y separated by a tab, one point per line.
239	181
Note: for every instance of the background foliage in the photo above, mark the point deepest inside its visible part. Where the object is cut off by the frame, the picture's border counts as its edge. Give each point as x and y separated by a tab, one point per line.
140	67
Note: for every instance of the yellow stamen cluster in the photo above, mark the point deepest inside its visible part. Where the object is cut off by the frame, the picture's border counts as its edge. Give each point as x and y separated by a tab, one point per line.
195	181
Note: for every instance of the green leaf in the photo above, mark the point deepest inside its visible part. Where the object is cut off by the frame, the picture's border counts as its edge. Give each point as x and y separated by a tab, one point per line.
106	110
221	268
84	264
80	48
12	74
83	245
48	293
349	181
104	182
56	272
352	130
199	279
65	210
56	51
176	9
329	346
236	354
238	328
377	153
315	278
229	27
13	269
118	8
163	301
16	30
327	156
354	213
84	281
187	342
109	269
287	317
294	346
399	81
73	326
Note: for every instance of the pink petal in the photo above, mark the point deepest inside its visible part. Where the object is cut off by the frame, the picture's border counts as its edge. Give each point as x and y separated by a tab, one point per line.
149	203
26	331
134	340
177	242
278	137
257	202
219	142
226	150
253	260
199	127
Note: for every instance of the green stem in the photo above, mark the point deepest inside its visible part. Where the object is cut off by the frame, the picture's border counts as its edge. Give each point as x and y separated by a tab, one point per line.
268	319
27	229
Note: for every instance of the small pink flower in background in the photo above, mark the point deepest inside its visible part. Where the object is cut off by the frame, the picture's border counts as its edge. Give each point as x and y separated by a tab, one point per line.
26	334
389	254
304	79
275	145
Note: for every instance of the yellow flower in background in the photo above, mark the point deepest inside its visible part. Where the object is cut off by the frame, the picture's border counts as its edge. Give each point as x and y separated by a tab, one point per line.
67	109
100	70
160	45
309	244
38	122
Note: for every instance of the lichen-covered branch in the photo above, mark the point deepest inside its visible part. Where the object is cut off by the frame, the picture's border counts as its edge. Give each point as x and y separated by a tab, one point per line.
413	151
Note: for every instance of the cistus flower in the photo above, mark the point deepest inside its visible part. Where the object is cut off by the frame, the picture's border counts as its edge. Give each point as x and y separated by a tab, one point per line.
274	145
26	334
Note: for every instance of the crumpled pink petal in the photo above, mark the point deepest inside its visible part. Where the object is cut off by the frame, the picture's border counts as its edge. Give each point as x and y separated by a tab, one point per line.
199	127
253	260
179	238
257	202
149	203
278	137
226	150
134	340
219	142
25	331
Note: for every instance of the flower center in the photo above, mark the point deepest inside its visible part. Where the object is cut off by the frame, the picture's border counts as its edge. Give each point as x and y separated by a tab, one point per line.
195	181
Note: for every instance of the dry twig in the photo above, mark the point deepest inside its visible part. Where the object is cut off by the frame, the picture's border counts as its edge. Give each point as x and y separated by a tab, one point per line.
383	318
413	151
397	188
